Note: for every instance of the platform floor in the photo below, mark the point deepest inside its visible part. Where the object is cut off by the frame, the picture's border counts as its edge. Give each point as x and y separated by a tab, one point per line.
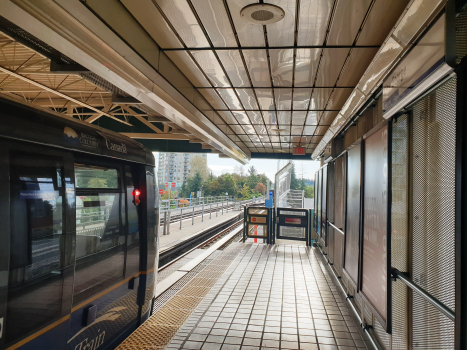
188	230
258	296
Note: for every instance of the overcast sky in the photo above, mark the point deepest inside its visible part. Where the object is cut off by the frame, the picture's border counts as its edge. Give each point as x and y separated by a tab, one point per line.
266	166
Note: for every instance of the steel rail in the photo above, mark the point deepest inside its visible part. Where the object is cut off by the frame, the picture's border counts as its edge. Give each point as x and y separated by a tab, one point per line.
446	310
335	227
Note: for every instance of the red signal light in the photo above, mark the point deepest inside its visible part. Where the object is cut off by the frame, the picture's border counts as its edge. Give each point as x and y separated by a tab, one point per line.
136	194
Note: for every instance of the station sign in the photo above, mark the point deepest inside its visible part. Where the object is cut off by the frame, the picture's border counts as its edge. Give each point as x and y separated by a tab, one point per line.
166	184
161	191
298	151
174	184
258	220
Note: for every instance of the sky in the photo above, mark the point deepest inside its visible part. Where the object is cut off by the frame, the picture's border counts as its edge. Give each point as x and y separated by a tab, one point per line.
269	167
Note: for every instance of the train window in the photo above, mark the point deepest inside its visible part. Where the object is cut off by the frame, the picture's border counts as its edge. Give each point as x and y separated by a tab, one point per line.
132	264
36	244
100	239
87	176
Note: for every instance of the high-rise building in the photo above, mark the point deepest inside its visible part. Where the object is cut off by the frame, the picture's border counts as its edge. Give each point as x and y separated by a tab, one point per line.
175	167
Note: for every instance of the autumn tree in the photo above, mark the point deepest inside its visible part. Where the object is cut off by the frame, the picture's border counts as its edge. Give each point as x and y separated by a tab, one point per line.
260	188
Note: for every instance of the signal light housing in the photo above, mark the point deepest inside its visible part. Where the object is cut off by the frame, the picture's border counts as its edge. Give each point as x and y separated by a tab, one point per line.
136	193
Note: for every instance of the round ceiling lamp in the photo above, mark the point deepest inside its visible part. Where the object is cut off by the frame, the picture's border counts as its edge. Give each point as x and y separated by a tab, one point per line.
262	13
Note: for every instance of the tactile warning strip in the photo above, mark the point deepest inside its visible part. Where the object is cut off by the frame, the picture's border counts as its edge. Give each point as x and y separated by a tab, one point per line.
174	307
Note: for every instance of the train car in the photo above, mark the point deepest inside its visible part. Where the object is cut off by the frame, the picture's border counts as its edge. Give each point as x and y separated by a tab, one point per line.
78	233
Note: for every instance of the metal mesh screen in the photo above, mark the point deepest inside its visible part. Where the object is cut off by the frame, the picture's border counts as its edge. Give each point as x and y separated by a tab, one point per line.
461	36
399	228
330	211
434	135
339	193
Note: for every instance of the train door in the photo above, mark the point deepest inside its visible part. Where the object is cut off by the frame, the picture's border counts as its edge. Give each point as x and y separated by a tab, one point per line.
36	260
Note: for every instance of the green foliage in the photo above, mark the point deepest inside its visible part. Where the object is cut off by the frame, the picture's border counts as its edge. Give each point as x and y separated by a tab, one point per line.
245	191
184	193
309	192
228	184
294	184
260	188
213	188
194	183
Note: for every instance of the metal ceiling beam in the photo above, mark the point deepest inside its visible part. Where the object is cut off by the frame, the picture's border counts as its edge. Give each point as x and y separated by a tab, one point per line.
151	136
232	48
72	29
143	120
58	93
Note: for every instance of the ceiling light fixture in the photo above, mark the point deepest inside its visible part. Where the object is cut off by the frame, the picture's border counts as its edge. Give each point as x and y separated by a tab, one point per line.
262	13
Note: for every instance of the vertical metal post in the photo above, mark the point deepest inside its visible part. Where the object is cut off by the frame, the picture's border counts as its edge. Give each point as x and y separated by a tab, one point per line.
217	208
202	213
227	205
181	212
210	210
168	223
193	216
164	231
222	205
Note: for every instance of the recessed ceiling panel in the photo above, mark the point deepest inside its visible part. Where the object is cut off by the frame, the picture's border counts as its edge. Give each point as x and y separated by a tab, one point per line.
301	98
211	67
283	117
321	130
184	21
309	130
283	98
296	130
247	98
269	117
233	65
282	33
260	129
313	21
241	117
265	99
281	66
257	63
319	98
356	65
255	117
312	118
216	22
228	117
249	129
185	63
213	98
347	19
298	117
383	16
230	98
248	34
328	117
331	66
306	64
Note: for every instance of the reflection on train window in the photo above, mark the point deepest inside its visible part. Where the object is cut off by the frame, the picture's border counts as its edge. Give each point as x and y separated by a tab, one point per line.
95	177
36	244
100	240
132	263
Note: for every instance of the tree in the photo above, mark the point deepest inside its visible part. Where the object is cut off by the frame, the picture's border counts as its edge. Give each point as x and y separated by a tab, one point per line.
309	192
294	185
239	170
228	184
252	170
199	164
252	179
245	191
184	193
260	188
213	188
193	183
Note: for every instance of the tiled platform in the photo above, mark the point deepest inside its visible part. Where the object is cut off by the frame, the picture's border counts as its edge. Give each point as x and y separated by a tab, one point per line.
279	297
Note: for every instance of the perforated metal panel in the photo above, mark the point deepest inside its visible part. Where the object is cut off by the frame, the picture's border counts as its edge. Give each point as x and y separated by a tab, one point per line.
433	267
339	199
399	228
330	211
461	36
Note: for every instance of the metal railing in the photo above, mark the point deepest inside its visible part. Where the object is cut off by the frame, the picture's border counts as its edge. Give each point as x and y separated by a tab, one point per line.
175	203
212	209
446	310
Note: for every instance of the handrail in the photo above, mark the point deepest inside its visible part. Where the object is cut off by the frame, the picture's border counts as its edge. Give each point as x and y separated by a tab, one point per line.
446	310
335	227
